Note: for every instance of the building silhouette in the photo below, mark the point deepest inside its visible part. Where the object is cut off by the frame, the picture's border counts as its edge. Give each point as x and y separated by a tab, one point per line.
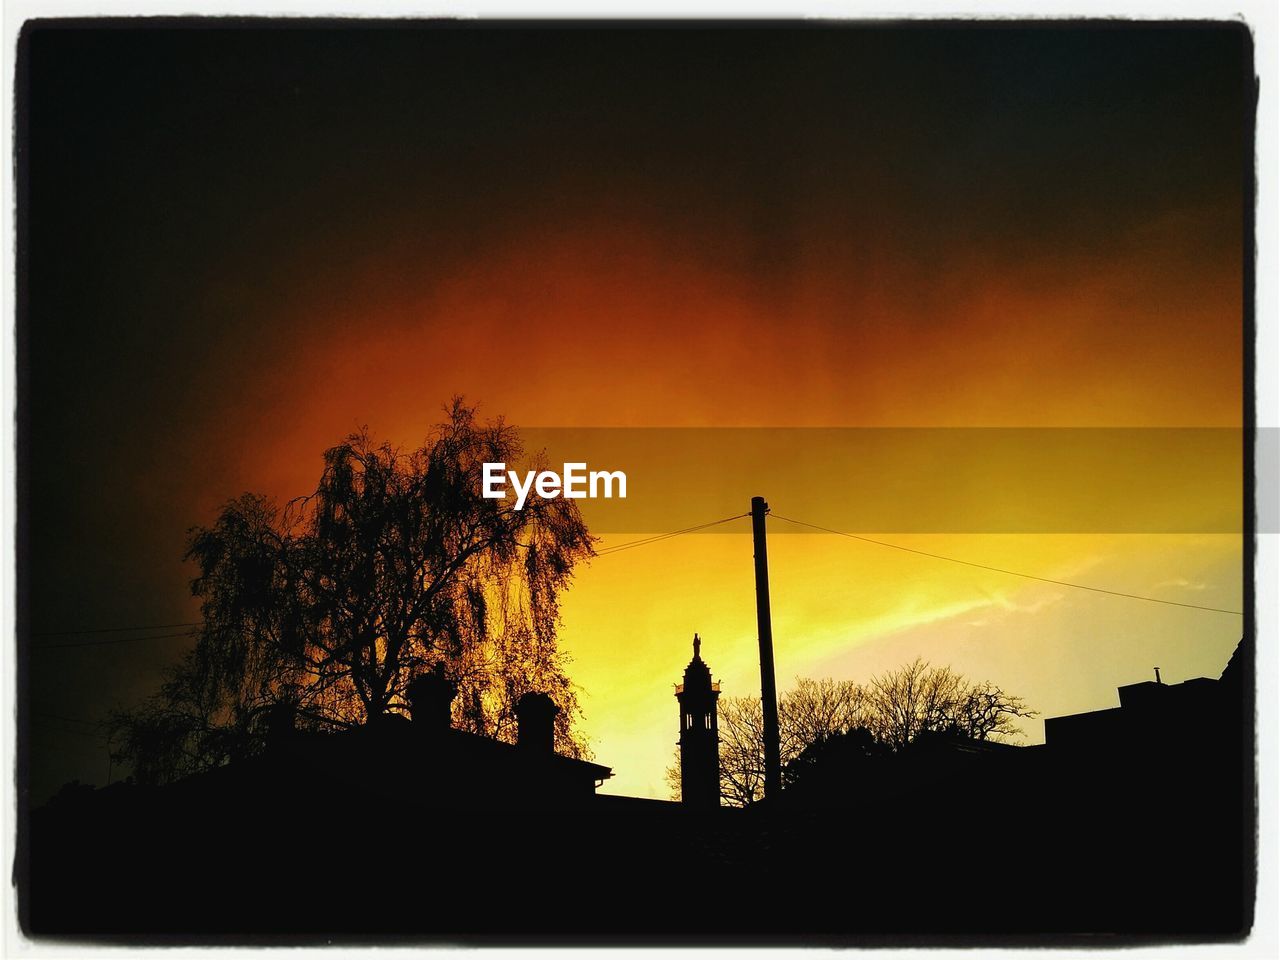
424	762
411	827
1154	717
699	735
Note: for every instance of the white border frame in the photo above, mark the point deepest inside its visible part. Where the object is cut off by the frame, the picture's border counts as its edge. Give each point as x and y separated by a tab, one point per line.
1259	15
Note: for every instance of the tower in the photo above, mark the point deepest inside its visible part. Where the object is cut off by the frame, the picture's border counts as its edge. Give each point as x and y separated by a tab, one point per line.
699	738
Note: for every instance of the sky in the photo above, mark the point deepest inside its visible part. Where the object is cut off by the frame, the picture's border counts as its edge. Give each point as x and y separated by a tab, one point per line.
241	245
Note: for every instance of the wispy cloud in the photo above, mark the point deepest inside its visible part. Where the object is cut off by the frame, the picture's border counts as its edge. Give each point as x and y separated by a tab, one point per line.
1003	602
1184	584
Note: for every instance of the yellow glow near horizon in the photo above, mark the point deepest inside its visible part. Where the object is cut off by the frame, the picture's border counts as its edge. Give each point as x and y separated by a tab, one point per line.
851	610
600	325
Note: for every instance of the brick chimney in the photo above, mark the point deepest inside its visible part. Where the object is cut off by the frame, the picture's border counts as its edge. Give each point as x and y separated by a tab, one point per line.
536	723
430	698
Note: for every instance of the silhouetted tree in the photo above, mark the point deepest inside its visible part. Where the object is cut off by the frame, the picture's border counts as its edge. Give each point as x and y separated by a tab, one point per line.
817	718
919	698
741	726
833	760
811	710
333	603
814	709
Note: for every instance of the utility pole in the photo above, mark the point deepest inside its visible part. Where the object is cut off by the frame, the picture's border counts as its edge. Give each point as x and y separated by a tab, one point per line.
764	623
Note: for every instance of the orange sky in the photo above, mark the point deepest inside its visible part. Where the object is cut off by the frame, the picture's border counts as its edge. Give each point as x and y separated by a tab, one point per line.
923	228
601	328
607	325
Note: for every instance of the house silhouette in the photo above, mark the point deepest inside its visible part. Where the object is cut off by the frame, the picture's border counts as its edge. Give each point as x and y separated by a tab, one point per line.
1157	718
425	758
408	827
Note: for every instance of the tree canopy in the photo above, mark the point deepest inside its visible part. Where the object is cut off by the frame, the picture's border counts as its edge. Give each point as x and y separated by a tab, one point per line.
886	714
332	603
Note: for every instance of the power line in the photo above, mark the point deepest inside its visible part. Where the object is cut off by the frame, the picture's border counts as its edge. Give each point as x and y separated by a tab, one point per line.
1012	573
107	643
645	541
630	545
73	633
618	548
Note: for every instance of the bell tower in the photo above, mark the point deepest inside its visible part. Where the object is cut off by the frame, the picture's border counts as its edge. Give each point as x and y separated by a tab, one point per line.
699	738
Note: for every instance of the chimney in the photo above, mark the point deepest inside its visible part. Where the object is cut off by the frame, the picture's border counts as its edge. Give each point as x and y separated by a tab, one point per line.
431	698
536	723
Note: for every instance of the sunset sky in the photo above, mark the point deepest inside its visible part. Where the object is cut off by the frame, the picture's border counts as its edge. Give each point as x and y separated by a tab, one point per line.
243	245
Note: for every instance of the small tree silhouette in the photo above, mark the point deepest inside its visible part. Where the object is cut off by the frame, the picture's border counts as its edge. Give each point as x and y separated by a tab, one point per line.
808	712
333	604
818	719
918	698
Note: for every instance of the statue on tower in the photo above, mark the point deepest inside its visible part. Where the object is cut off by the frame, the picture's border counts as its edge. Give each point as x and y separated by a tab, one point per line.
699	734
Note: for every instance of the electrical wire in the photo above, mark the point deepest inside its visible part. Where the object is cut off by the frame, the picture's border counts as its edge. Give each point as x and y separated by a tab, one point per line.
645	541
1012	573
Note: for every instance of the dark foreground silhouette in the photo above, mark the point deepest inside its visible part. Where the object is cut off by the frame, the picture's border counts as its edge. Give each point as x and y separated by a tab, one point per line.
409	828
